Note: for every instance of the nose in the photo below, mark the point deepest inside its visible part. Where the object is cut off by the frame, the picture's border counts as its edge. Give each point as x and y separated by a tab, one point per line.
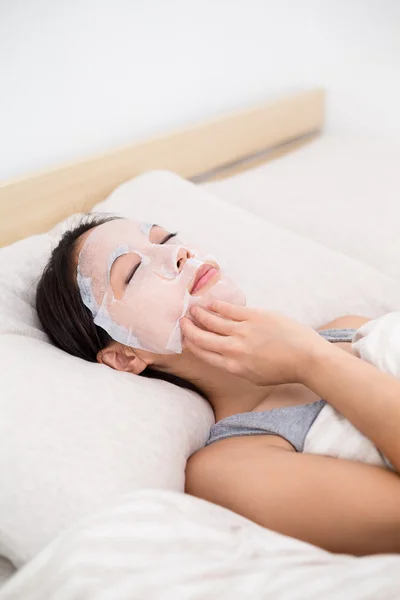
182	257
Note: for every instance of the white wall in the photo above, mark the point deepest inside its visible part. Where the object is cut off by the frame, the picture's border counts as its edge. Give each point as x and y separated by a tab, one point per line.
79	76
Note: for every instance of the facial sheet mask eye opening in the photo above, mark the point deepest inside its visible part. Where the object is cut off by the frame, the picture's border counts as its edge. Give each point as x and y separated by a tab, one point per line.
120	251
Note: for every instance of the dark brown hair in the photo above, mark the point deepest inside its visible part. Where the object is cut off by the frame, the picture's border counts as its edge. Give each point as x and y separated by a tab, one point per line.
66	320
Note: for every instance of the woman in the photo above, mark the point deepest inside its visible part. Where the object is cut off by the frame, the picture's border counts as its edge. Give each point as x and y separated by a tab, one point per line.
116	292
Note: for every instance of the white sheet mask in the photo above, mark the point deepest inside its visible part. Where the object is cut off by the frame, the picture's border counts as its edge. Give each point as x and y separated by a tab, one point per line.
147	310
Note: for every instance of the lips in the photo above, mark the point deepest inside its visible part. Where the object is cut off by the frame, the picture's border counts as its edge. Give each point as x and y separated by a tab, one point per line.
203	275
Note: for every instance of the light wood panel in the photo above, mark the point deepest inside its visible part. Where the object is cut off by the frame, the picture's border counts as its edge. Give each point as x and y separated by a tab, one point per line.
255	160
35	203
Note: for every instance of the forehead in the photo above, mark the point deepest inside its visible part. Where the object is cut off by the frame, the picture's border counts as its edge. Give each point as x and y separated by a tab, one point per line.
117	231
104	238
94	248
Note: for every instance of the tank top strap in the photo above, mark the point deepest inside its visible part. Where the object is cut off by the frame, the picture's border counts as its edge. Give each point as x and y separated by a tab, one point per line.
338	335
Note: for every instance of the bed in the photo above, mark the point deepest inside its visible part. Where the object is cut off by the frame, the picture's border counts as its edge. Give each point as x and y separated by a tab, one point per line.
89	510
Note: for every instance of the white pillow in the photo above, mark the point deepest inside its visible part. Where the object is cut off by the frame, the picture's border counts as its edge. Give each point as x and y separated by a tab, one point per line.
340	190
74	435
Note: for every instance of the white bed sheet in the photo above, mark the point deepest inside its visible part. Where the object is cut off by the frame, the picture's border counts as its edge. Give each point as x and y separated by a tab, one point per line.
160	545
342	191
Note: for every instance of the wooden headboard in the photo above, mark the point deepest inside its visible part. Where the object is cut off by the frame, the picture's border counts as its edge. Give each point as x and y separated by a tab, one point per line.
35	203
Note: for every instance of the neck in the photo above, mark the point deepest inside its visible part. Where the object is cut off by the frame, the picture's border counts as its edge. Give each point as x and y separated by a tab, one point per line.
227	393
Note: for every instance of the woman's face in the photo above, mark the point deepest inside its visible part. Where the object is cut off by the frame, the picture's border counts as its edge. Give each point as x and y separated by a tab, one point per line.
138	280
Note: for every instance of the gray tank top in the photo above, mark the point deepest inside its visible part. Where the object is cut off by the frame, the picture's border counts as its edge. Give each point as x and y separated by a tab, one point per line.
290	422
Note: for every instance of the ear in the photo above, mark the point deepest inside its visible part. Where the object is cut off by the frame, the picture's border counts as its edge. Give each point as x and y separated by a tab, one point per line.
121	358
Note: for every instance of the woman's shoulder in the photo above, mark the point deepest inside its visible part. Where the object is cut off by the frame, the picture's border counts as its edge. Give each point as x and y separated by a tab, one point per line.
205	467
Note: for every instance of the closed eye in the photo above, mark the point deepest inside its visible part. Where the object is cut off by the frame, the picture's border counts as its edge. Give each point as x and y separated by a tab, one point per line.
131	273
168	237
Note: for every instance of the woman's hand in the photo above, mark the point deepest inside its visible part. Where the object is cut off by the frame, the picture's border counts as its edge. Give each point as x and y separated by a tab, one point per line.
264	347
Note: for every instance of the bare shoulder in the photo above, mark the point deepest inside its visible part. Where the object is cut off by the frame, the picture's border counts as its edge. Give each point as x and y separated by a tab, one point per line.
196	470
346	322
202	469
219	463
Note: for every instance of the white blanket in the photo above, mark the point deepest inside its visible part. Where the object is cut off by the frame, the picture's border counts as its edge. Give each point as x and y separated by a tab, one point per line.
377	342
160	545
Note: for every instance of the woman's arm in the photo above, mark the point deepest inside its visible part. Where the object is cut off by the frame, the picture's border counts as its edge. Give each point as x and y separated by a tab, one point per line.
269	348
367	397
340	505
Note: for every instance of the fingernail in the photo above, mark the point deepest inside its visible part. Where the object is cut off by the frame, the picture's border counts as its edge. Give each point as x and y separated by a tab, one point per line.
193	310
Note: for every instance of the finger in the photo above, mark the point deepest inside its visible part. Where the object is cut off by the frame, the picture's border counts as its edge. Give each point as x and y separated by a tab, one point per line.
203	339
228	310
211	321
212	358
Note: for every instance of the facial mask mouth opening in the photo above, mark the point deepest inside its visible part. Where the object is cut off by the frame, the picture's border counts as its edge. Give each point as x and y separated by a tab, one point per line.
207	272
